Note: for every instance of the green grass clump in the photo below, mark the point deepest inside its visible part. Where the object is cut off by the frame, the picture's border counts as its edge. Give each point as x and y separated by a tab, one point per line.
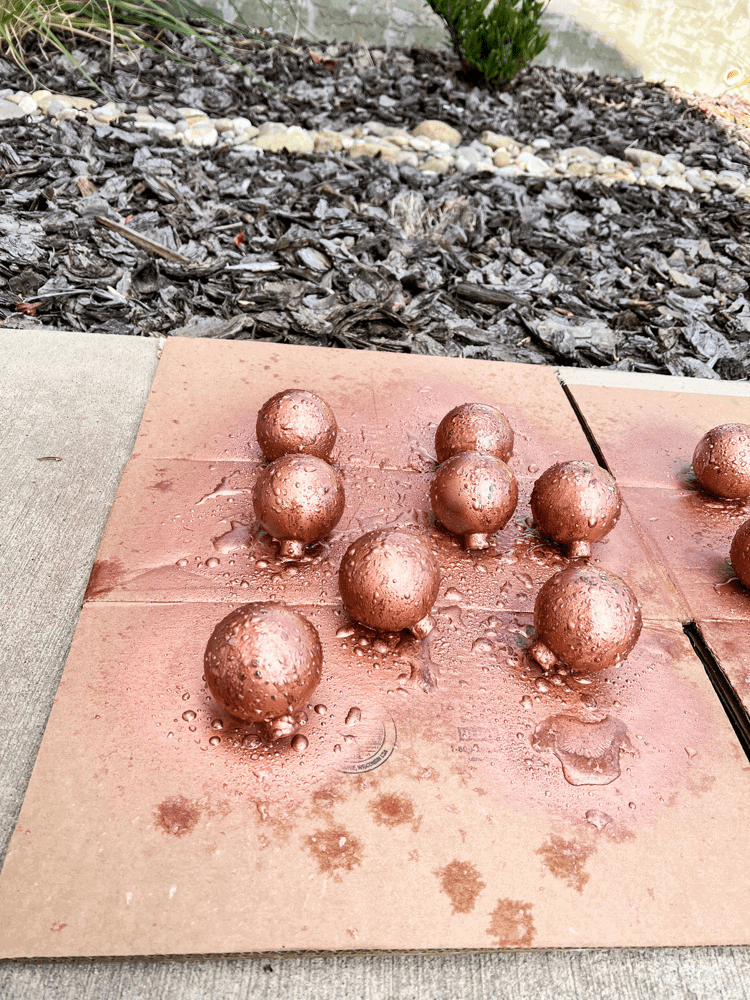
127	22
495	41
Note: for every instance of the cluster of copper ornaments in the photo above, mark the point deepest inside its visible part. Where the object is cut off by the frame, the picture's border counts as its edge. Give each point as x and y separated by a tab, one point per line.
296	421
299	497
575	503
474	493
389	580
262	663
721	462
585	618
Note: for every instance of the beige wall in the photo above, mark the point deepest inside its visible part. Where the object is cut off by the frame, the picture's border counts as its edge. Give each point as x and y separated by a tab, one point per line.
693	44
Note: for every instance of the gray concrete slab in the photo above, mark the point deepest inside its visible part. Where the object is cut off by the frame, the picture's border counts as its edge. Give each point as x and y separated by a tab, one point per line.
81	398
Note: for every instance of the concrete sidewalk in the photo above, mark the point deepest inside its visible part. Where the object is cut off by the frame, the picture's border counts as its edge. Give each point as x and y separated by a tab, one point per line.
80	399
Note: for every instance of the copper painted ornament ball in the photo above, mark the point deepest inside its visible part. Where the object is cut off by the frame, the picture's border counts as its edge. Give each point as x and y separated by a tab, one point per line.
721	462
298	499
296	421
262	663
575	503
474	495
585	618
739	553
389	580
474	427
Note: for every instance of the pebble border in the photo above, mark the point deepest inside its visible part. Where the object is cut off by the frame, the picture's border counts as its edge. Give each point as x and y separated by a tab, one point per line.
432	147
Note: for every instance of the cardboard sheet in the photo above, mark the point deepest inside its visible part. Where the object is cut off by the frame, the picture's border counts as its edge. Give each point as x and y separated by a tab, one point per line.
451	795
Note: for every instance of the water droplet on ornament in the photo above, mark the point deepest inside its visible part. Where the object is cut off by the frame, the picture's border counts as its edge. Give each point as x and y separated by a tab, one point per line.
300	743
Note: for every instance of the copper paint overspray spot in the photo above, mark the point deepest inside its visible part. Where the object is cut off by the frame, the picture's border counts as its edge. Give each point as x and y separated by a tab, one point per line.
462	883
512	924
335	850
176	816
391	809
566	860
106	575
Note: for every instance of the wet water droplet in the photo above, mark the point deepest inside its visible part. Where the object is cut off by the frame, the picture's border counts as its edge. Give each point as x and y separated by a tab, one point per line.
251	741
533	469
344	632
214	741
300	743
320	709
186	697
217	723
481	645
212	563
337	748
353	716
631	805
588	751
541	685
452	594
182	562
690	752
527	702
188	716
598	818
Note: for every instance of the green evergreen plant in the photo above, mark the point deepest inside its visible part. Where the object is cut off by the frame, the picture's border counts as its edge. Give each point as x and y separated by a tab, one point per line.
493	40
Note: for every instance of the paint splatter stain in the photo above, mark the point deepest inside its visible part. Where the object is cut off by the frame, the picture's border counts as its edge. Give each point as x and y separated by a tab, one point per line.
106	574
335	850
176	816
566	859
57	926
462	883
512	924
392	810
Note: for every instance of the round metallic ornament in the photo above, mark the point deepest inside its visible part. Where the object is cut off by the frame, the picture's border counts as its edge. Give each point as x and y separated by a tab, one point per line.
721	461
575	503
262	663
298	499
296	421
474	495
389	580
585	618
739	553
474	427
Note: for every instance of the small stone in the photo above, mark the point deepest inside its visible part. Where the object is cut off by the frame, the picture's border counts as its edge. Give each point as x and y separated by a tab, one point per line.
271	128
669	164
191	113
407	158
421	144
364	148
293	140
327	141
197	119
502	157
223	124
200	134
639	156
144	116
654	181
677	181
581	169
728	181
436	164
25	102
433	129
107	113
245	128
55	107
496	141
10	110
533	164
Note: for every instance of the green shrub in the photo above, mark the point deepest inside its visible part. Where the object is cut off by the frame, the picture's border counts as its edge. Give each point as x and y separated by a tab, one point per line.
494	41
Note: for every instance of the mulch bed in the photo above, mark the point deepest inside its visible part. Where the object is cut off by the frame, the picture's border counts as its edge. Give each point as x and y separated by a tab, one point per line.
326	250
